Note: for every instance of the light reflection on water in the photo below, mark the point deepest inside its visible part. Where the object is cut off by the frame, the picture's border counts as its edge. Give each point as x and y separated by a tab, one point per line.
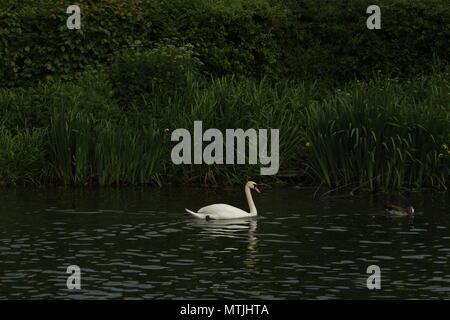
140	244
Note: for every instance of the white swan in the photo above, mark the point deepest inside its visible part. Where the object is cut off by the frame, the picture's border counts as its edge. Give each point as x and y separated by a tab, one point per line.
225	211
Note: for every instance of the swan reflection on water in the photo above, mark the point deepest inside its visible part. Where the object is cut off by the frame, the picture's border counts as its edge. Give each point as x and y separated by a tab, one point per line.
244	229
231	228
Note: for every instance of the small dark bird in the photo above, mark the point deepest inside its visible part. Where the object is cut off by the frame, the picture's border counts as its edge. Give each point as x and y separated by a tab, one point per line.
399	211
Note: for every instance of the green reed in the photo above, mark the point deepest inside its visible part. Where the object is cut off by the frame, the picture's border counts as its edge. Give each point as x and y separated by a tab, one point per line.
383	134
380	134
86	151
22	156
237	103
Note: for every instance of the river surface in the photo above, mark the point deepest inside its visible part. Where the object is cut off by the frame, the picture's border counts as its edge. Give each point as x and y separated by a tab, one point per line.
139	244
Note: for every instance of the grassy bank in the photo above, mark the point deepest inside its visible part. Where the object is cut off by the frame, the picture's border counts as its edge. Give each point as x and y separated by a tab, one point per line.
382	133
363	108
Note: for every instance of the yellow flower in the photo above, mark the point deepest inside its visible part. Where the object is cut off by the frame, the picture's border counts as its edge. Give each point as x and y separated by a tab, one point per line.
448	151
308	144
441	155
166	130
445	146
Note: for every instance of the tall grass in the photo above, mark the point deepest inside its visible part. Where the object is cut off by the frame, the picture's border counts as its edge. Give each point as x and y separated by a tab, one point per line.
383	134
84	151
229	102
21	156
380	134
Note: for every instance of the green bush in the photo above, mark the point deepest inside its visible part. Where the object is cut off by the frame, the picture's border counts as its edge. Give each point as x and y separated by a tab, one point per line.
32	107
330	39
309	39
159	72
35	44
232	37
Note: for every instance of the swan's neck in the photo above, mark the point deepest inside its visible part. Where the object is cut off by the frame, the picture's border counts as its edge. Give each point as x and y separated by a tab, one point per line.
251	204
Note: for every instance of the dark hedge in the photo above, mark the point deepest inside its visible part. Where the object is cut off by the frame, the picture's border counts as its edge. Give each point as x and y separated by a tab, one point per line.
300	39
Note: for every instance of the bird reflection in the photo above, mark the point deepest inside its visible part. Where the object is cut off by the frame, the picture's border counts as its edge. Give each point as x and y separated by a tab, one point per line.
252	247
230	228
233	228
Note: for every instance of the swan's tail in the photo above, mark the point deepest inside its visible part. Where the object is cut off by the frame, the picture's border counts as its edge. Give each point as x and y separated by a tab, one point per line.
195	214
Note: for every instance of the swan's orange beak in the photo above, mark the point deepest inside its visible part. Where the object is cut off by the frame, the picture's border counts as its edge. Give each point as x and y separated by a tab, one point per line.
256	189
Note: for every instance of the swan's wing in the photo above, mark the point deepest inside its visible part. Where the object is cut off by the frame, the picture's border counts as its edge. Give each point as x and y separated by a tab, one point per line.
195	214
222	211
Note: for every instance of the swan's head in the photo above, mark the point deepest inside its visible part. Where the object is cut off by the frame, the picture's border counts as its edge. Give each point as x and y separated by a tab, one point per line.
252	185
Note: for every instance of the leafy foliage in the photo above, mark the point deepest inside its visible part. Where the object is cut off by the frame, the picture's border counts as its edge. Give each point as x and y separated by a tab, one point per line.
301	39
161	71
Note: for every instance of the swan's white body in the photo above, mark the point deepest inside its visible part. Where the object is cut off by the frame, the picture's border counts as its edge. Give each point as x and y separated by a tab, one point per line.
225	211
221	211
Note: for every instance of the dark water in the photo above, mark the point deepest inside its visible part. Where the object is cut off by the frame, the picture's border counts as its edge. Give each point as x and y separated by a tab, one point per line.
139	244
